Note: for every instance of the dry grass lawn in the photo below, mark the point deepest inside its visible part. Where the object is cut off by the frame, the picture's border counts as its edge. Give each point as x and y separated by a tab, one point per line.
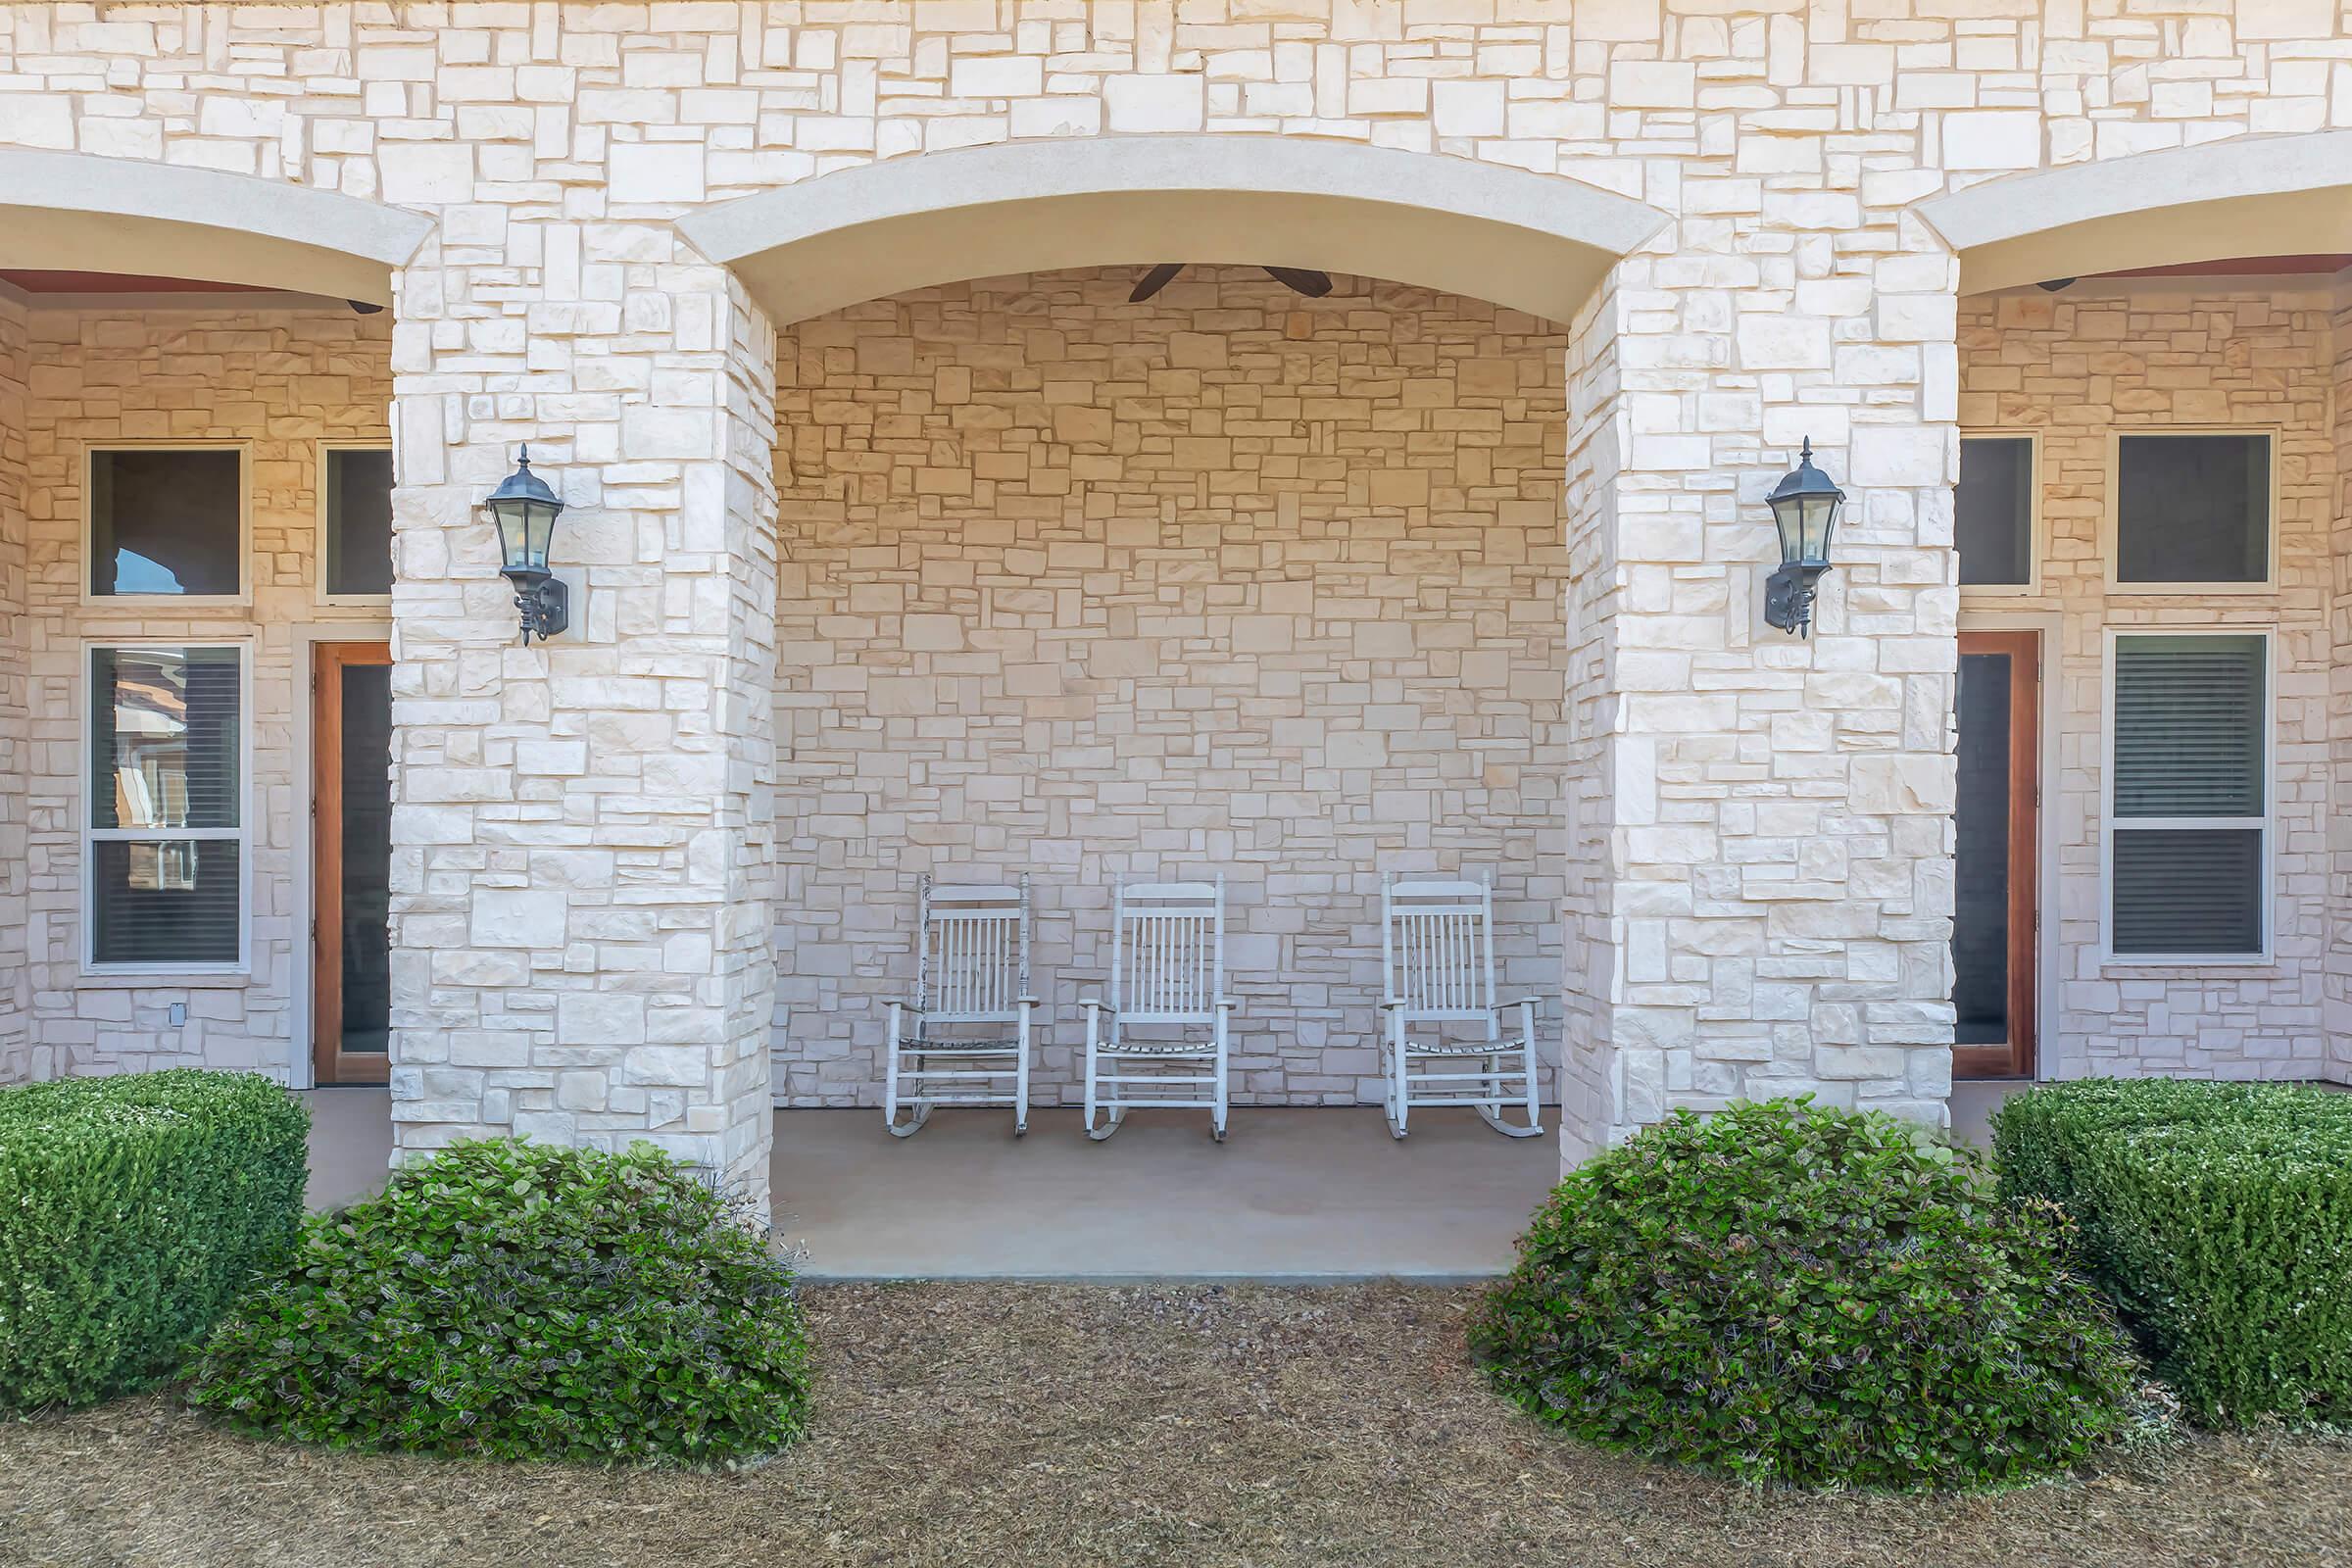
1185	1425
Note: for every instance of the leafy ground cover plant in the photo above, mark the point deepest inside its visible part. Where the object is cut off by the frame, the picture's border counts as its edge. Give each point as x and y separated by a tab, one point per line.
1793	1293
2219	1219
518	1300
132	1209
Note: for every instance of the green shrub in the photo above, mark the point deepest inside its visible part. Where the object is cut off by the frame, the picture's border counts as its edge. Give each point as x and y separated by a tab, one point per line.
2219	1217
131	1210
517	1301
1793	1293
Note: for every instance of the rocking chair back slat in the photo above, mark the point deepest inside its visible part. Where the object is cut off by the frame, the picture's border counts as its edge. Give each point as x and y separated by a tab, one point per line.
973	964
1167	951
1437	947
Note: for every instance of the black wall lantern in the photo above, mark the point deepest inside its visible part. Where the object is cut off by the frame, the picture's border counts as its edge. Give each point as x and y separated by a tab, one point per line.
1804	507
525	511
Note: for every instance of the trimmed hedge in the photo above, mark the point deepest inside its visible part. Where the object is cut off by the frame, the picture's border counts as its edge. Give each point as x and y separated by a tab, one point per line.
517	1300
133	1210
1793	1293
2219	1219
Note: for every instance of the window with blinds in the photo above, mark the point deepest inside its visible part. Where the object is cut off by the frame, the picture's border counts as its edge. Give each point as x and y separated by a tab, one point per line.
167	834
2188	796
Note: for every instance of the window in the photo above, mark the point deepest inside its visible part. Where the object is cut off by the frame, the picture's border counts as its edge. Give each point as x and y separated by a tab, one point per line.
1993	511
2192	510
165	857
2188	796
356	533
167	520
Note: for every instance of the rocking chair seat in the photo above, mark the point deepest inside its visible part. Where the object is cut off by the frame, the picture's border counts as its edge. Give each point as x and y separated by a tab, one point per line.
1159	1048
1463	1048
916	1046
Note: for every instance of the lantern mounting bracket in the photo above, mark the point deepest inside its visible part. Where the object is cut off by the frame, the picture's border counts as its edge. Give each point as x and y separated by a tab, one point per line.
1788	597
542	602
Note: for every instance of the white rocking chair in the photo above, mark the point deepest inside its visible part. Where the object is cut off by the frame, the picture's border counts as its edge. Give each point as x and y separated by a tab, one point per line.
968	1027
1167	967
1437	946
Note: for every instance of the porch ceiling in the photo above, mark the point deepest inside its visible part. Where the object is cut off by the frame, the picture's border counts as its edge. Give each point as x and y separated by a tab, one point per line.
1537	243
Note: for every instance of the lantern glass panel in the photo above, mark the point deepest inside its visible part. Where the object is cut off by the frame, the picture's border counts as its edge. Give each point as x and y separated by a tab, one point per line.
1820	516
540	535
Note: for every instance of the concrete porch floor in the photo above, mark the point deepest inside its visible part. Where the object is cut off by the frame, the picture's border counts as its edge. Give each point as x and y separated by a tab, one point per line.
1293	1195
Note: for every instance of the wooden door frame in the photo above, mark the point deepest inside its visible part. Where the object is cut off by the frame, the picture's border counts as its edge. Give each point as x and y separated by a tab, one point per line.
328	660
2018	1057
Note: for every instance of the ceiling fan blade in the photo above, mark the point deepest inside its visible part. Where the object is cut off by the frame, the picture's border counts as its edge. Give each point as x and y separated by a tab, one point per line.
1155	280
1314	285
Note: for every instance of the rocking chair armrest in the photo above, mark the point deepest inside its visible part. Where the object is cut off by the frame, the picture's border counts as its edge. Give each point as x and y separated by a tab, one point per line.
1390	1003
1028	1002
1226	1004
1521	1002
904	1004
1097	1005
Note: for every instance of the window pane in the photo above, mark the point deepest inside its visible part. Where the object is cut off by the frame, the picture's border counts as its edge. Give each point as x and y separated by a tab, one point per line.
163	725
170	901
2188	891
2189	726
1996	510
164	523
1980	855
2192	508
358	522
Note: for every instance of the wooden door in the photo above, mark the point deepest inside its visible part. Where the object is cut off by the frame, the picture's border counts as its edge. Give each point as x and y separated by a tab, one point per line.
351	859
1996	918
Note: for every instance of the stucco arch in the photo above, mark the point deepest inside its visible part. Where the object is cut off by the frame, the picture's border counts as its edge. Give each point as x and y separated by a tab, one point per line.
78	212
2264	196
1534	242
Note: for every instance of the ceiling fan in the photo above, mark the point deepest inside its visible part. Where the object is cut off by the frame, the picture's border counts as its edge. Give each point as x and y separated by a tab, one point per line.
1314	285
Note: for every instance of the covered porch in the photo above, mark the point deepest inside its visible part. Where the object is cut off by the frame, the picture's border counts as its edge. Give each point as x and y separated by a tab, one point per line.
1296	1195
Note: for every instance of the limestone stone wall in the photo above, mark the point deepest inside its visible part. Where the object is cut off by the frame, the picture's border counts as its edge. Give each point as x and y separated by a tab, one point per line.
2336	1005
16	994
1233	580
1772	893
281	381
2074	369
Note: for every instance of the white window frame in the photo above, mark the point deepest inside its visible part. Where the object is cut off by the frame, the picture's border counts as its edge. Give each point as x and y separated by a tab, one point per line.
242	834
2030	588
322	595
2266	822
2111	521
153	605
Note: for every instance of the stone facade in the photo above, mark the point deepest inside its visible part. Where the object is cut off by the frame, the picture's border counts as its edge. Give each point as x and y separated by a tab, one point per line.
1756	830
2073	368
1233	581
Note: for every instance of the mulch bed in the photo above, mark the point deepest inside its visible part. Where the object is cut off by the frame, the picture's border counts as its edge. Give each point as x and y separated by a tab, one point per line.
1043	1425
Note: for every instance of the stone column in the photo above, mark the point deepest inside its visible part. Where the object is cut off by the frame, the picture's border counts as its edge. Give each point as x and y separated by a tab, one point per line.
580	827
1763	904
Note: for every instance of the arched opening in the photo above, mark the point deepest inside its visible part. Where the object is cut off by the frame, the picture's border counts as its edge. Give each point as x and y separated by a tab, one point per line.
2152	520
1533	242
195	570
2274	196
77	212
1224	580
